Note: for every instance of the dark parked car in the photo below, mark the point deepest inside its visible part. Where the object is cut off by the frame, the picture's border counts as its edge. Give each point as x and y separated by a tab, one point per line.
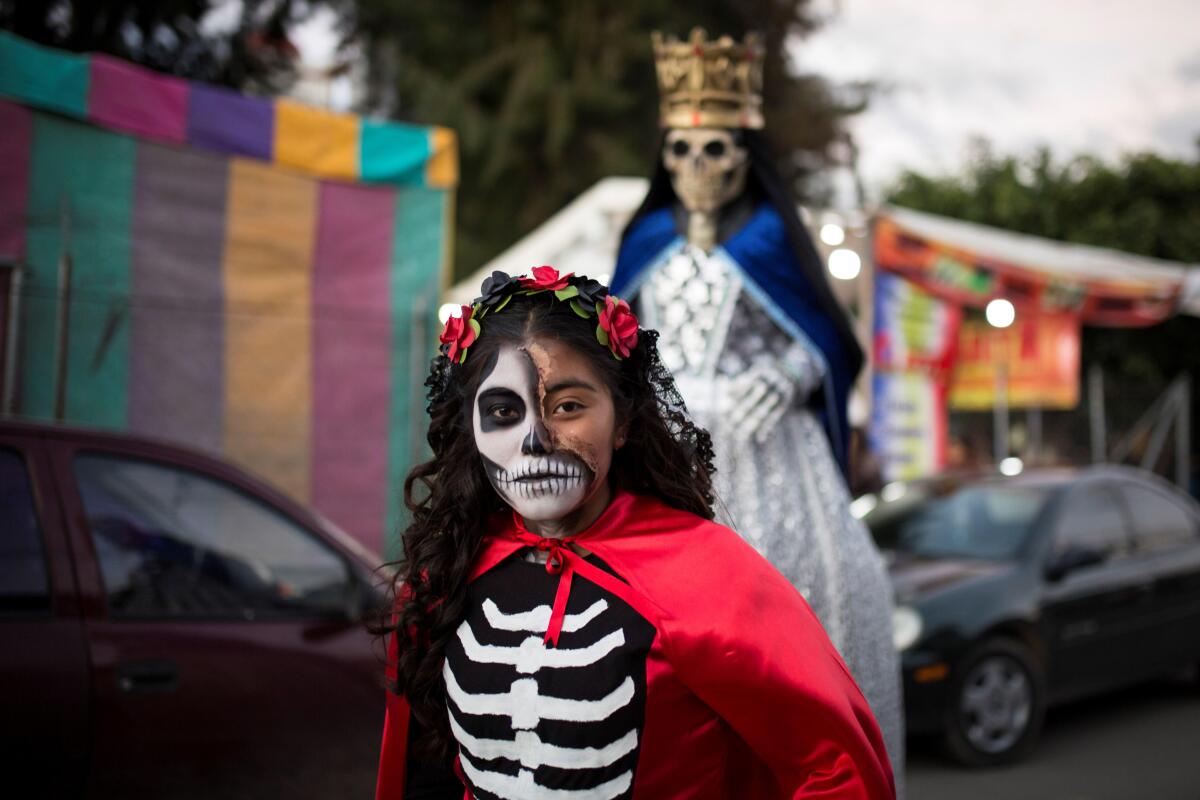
1016	593
172	627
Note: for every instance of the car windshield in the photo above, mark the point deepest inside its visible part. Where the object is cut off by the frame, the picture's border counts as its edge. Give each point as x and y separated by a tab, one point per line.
986	522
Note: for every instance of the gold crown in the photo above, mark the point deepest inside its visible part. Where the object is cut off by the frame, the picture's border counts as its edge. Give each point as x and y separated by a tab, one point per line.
709	84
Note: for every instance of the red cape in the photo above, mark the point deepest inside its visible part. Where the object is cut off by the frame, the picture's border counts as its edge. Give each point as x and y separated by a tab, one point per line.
746	696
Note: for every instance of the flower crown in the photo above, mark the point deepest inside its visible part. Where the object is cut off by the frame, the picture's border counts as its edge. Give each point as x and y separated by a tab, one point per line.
616	327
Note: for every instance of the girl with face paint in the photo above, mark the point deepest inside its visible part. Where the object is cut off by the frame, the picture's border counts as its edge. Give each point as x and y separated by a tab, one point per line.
570	623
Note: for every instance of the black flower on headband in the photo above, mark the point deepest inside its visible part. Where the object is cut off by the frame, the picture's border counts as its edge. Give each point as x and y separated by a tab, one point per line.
591	292
495	288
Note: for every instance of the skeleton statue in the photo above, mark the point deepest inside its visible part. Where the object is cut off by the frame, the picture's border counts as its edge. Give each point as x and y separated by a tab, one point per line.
708	168
764	356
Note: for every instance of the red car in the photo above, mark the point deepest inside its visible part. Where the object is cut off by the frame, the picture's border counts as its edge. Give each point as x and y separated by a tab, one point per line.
172	627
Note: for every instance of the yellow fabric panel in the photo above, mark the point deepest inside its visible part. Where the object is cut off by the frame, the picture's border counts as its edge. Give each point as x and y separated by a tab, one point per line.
316	141
269	241
441	172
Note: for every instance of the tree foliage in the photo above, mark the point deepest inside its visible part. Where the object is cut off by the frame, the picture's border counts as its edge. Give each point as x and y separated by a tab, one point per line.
168	36
550	96
1144	203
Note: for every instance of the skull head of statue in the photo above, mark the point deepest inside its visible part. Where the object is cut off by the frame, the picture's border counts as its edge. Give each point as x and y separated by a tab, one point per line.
708	167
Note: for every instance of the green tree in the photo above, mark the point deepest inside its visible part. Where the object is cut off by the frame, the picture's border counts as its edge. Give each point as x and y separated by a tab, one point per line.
550	96
1144	203
167	35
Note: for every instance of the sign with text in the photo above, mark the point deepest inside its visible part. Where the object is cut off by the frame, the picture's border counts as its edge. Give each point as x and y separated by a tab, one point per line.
1036	359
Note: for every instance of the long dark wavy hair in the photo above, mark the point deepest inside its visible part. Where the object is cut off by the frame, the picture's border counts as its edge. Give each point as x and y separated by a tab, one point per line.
451	500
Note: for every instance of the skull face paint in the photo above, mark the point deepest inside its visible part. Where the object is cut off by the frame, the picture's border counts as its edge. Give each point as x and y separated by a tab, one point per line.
545	430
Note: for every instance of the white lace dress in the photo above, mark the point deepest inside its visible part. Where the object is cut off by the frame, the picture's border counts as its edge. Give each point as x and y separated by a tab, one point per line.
784	494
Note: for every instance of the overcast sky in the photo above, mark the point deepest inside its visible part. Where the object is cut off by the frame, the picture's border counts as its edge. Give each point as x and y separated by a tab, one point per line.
1099	76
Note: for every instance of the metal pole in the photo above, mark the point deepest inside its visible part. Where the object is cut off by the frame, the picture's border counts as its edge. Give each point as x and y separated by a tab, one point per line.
1000	421
8	402
1158	433
418	358
62	340
866	317
1183	435
1033	419
1096	413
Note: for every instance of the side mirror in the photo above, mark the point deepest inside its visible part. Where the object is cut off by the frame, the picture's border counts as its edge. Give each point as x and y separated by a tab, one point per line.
1073	558
363	599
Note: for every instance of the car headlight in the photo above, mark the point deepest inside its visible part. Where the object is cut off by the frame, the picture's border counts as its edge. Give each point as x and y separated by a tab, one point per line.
906	627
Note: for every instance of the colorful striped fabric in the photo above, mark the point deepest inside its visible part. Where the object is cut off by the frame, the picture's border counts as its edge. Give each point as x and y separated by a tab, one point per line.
224	293
129	99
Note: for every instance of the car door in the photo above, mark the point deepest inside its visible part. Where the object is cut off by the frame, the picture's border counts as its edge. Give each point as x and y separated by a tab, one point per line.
1094	611
1166	529
226	659
46	703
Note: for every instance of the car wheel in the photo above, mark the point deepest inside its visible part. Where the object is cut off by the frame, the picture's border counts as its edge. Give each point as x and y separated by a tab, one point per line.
996	706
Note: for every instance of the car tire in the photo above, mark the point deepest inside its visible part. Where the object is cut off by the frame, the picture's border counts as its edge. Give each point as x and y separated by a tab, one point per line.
997	704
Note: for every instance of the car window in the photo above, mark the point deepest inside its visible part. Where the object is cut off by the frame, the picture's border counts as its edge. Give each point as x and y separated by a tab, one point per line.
24	584
1160	522
1091	520
987	522
175	543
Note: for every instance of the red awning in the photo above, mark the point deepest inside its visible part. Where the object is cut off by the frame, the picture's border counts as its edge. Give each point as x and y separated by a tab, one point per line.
970	264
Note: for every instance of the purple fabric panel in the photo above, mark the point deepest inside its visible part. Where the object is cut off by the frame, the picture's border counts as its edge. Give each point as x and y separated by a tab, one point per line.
17	124
176	365
352	358
228	122
136	100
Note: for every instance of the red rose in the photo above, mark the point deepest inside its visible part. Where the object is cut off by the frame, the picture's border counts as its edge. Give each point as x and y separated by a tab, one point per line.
459	333
620	324
546	279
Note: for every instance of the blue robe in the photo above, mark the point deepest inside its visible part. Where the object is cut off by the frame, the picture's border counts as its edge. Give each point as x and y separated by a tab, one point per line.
772	274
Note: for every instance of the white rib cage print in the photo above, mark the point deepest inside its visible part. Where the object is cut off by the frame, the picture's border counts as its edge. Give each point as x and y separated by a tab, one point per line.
523	787
526	706
532	654
532	752
538	619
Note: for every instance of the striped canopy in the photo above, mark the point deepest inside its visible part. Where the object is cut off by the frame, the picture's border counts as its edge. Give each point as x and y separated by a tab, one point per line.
250	276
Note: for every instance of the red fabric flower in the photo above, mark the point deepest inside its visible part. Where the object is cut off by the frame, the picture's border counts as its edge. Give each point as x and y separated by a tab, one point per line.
620	324
546	279
459	333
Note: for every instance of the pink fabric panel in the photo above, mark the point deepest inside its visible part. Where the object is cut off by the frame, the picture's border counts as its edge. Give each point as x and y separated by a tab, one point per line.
132	99
352	358
17	124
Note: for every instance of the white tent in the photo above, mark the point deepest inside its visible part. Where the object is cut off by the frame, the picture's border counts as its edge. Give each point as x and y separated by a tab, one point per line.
582	238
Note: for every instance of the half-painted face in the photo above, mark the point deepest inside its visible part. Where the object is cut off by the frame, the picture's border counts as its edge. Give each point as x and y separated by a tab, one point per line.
546	429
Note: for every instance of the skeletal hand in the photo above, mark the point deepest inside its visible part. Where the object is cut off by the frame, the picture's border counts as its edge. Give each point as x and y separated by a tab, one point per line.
760	397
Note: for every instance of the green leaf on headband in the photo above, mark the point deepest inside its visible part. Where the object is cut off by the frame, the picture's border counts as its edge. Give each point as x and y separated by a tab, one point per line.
578	308
463	357
617	357
567	293
474	325
599	307
601	336
502	304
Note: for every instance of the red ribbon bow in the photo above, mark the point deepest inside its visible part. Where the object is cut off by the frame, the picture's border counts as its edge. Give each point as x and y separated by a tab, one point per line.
560	561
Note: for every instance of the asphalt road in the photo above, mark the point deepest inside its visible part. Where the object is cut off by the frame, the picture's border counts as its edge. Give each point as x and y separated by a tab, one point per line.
1138	744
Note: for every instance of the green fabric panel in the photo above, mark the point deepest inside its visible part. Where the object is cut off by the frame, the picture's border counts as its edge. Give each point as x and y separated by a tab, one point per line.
44	77
417	255
389	151
87	173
